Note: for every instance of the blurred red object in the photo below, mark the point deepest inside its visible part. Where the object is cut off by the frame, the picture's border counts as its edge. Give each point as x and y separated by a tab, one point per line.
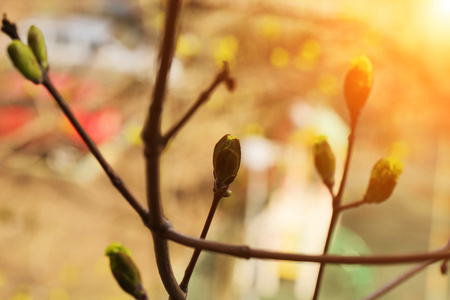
13	118
102	125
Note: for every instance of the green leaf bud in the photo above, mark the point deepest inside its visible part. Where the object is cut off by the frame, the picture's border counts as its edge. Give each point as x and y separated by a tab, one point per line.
37	44
125	271
358	84
227	194
226	159
324	161
383	179
25	61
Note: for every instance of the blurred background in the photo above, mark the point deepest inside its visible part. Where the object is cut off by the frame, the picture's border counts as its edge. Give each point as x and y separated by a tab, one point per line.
58	211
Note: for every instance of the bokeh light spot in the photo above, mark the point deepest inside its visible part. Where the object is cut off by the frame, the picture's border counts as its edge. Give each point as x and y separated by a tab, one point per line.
59	294
289	242
308	55
69	274
328	85
254	129
270	27
400	150
2	279
225	49
279	57
122	297
188	45
22	296
102	267
132	134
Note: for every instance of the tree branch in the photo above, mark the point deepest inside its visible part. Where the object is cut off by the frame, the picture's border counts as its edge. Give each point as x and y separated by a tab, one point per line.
165	267
243	251
152	138
223	76
153	146
115	179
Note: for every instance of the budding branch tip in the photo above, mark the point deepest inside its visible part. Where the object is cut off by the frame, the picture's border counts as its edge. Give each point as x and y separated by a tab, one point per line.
9	28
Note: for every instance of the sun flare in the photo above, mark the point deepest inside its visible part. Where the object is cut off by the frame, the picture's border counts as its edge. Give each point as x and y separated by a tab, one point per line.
443	7
437	20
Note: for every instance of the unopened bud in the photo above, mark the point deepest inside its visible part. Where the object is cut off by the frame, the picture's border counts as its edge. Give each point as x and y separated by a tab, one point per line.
125	271
357	85
383	179
226	159
25	61
325	161
37	44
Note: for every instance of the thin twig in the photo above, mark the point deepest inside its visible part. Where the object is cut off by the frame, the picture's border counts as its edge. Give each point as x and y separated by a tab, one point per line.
337	200
394	283
223	76
397	281
351	140
330	189
190	268
243	251
115	179
10	28
351	205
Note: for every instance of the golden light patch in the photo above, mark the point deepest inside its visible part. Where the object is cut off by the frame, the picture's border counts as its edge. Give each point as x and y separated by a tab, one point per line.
279	57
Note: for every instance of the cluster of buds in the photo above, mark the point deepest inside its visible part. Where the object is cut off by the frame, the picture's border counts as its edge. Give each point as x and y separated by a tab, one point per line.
383	179
226	162
357	86
31	60
37	44
125	271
